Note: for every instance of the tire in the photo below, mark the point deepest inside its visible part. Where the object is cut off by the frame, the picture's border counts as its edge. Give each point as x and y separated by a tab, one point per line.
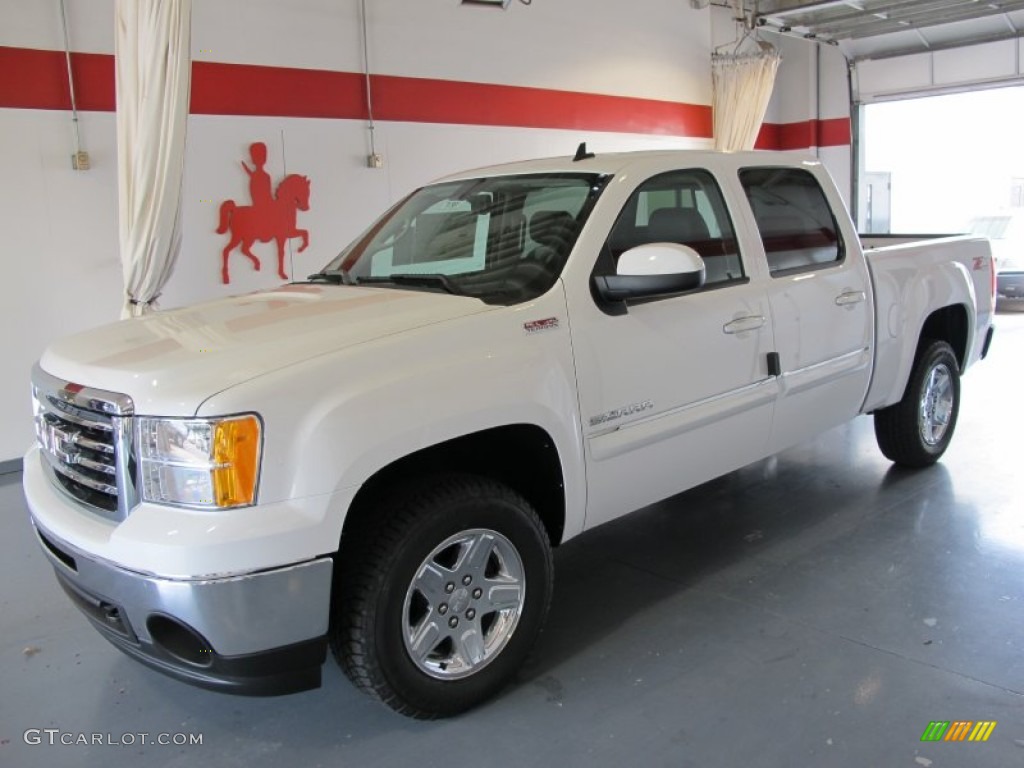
439	603
916	431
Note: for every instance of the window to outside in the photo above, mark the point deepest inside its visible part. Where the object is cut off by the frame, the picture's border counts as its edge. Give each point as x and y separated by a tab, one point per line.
503	240
684	207
950	158
793	217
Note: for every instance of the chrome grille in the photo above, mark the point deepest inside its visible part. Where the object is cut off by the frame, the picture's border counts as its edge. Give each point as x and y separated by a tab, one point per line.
85	437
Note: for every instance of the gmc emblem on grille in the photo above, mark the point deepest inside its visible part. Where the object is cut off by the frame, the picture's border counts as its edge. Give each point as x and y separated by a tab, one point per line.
59	442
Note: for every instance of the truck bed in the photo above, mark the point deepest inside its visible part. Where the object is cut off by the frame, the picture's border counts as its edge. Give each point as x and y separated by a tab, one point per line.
911	275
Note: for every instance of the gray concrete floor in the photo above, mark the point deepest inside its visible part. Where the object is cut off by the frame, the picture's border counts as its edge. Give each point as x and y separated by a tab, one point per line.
817	608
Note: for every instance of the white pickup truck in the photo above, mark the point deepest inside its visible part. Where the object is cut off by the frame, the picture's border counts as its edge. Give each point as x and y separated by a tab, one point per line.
380	460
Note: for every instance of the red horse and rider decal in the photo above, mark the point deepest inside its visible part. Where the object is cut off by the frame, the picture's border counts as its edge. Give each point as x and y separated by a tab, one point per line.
271	216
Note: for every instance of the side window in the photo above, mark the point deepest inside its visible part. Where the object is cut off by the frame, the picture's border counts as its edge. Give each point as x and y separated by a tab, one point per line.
684	207
794	219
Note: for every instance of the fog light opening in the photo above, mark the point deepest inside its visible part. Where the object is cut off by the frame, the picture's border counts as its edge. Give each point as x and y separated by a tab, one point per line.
179	640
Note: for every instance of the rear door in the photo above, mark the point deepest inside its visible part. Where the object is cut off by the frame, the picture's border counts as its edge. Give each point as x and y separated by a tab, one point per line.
820	299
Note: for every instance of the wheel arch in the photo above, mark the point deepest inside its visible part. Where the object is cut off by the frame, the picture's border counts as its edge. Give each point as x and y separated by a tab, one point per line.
522	456
949	324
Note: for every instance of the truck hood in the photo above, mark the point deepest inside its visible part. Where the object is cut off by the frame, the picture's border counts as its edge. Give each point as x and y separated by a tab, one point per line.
169	362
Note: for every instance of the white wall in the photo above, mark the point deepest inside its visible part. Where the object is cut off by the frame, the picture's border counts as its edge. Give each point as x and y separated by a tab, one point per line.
37	24
834	103
62	267
60	225
812	86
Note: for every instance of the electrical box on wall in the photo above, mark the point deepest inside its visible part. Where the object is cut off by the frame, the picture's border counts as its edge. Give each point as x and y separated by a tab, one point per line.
376	160
80	161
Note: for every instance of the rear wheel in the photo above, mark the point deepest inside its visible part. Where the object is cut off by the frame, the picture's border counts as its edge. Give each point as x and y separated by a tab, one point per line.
916	431
439	603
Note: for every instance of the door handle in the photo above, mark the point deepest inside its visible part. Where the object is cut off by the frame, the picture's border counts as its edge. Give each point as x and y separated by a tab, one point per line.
847	298
741	324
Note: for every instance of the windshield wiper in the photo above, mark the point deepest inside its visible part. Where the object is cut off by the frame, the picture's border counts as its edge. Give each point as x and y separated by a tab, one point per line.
430	280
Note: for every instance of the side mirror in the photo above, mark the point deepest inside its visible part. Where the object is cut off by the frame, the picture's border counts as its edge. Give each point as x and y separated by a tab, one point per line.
655	269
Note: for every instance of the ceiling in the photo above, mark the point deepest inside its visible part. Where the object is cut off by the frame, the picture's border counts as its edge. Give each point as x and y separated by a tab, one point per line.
866	29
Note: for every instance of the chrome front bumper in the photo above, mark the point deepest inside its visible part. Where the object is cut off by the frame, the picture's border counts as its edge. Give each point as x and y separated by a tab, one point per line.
262	633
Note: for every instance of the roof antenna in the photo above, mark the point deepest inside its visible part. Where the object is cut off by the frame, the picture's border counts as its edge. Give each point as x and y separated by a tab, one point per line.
581	153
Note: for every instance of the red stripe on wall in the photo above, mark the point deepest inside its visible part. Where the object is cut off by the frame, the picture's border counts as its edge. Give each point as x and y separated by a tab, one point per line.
768	136
419	100
244	89
802	135
835	132
38	80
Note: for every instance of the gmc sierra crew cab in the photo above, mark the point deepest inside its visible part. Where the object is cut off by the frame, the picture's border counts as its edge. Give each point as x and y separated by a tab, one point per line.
379	460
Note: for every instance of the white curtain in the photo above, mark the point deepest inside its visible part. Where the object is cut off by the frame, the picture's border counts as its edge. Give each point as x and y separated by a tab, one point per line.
152	40
742	86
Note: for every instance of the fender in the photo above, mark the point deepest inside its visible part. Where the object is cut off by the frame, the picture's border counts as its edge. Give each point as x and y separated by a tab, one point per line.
412	391
911	282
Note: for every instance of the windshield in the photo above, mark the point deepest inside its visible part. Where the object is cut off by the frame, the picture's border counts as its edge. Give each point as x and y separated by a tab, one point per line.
503	240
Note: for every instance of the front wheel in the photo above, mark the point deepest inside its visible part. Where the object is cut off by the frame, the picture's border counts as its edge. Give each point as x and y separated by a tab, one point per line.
916	431
439	603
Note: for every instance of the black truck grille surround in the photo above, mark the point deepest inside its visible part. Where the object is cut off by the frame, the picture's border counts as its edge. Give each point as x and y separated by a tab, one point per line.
85	437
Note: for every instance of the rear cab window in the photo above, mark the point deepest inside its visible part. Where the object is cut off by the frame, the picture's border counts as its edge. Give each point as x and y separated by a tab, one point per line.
794	219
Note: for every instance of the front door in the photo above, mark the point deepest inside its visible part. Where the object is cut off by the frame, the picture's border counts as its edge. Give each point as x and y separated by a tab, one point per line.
673	391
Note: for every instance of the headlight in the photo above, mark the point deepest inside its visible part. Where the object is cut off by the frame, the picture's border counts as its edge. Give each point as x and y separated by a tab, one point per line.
202	463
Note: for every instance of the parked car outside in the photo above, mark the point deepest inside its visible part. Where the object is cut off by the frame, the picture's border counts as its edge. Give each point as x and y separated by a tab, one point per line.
1006	231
